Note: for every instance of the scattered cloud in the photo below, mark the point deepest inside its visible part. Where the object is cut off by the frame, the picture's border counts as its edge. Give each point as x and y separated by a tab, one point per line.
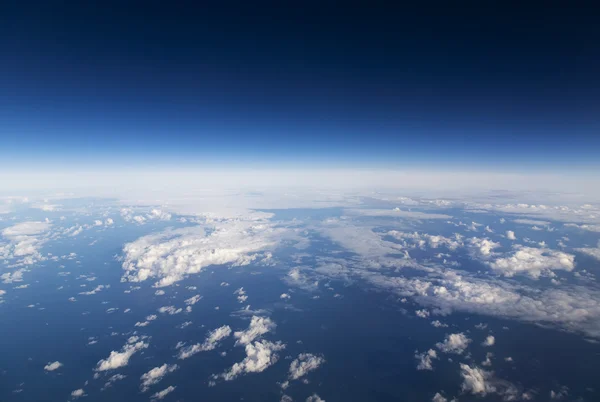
210	343
454	343
51	366
155	375
259	356
120	359
258	327
303	364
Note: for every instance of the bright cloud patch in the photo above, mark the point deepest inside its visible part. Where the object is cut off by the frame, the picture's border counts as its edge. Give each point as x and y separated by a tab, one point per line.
210	343
259	356
305	363
53	366
172	255
454	343
258	327
120	359
155	375
533	262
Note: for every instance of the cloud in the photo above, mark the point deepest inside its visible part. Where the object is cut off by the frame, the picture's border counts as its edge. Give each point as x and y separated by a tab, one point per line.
193	300
305	363
78	393
210	343
422	239
259	356
51	366
109	383
438	398
155	375
510	235
120	359
454	343
483	247
285	296
24	242
489	341
314	398
533	262
242	297
422	313
439	324
258	327
97	289
425	359
171	310
532	222
163	393
172	255
593	252
476	380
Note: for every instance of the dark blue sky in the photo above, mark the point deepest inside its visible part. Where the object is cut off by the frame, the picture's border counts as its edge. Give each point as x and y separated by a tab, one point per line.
472	84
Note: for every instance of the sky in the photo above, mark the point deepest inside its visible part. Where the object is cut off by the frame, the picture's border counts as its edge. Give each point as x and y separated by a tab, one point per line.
474	87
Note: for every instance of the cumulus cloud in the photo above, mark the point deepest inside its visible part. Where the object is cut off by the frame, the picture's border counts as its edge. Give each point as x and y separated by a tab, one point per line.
173	254
314	398
241	295
422	313
533	262
97	289
285	296
305	363
78	393
51	366
121	359
483	247
510	235
193	300
259	356
489	341
24	242
171	310
476	380
258	327
593	252
210	343
161	394
422	239
155	375
425	359
454	343
438	398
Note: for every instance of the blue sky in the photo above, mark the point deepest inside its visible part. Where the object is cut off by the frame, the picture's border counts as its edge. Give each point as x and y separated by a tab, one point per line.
398	87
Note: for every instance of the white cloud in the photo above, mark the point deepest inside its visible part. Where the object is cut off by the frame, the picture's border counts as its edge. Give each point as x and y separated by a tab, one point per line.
285	296
112	379
476	380
533	262
51	366
171	310
532	222
510	235
193	300
97	289
258	327
120	359
489	341
24	243
78	393
155	375
259	356
305	363
210	343
422	239
241	295
26	229
314	398
439	324
593	252
173	254
454	343
425	359
438	398
163	393
483	247
422	313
